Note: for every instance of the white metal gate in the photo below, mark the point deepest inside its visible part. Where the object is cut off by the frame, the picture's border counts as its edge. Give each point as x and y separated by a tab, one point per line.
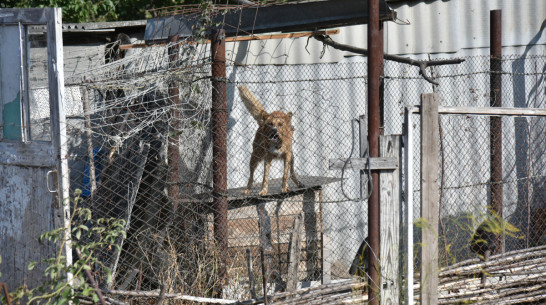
33	171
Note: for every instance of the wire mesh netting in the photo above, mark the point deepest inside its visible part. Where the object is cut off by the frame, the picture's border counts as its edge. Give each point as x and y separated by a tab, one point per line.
145	133
141	149
472	220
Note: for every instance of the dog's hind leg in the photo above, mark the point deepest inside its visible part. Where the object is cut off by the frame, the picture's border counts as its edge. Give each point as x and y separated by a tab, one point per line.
253	163
265	183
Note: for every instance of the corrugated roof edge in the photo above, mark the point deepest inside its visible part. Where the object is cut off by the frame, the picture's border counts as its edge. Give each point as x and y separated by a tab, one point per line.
94	26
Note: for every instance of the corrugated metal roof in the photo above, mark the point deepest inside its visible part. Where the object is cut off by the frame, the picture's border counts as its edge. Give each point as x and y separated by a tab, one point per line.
288	17
437	27
95	26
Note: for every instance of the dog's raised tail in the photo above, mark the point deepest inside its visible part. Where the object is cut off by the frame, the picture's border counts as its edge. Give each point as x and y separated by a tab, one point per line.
251	103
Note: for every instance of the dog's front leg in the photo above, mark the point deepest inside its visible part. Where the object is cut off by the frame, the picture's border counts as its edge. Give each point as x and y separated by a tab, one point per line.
293	173
253	163
267	166
287	163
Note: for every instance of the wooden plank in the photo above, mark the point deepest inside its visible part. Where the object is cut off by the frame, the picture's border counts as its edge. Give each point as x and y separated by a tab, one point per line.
311	235
58	123
25	213
408	171
89	136
390	181
236	197
506	111
251	280
240	38
326	247
364	152
294	255
27	154
380	163
429	198
138	163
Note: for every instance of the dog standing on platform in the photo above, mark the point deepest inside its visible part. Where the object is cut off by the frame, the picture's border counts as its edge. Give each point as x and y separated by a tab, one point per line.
273	140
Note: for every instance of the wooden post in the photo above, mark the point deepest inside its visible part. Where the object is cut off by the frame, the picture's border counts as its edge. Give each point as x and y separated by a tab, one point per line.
408	243
326	247
429	198
89	135
294	252
219	151
173	148
58	124
390	181
311	235
250	274
263	252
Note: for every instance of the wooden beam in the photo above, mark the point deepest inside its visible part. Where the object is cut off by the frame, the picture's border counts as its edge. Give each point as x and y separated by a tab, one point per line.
429	199
390	181
492	111
240	38
26	154
486	111
380	163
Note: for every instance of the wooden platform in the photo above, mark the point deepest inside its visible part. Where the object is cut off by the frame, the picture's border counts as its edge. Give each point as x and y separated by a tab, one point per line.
237	199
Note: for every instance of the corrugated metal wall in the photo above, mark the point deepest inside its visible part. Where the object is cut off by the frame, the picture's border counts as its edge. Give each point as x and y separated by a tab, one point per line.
460	27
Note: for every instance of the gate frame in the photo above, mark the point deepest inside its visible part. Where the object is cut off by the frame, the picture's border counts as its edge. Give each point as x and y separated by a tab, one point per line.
430	186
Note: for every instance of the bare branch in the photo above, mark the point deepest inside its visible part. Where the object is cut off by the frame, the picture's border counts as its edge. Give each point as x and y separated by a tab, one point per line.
421	64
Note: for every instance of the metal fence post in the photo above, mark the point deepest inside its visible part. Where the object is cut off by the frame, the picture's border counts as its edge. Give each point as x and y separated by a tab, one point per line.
375	62
495	135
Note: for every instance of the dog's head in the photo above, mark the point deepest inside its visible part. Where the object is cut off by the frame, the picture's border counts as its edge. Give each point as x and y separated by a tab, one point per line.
278	127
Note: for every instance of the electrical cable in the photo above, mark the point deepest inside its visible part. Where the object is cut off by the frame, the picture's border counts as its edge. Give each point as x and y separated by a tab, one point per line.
369	171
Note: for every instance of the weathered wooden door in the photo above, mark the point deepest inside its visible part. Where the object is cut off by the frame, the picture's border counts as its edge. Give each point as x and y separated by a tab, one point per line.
33	165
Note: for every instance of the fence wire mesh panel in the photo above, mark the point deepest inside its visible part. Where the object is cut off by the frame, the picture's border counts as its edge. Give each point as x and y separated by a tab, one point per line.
471	224
141	153
141	142
324	100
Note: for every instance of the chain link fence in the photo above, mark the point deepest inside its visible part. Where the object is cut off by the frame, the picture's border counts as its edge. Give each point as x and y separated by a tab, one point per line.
141	149
468	222
143	132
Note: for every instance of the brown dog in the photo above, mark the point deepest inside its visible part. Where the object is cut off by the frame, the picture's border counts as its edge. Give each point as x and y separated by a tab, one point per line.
273	140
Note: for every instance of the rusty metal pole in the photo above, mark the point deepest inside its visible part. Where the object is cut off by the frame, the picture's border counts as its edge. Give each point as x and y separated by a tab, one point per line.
495	134
173	149
219	151
375	63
